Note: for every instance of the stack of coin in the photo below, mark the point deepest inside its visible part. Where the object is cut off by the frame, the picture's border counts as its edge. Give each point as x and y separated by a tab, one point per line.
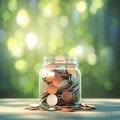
58	85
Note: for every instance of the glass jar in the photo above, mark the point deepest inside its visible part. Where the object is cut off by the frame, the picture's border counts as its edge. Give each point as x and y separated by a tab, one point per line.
60	82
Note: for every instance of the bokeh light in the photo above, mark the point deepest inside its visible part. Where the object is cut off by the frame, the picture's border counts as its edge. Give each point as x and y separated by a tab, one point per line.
81	6
15	47
31	40
33	29
21	66
23	18
91	59
12	5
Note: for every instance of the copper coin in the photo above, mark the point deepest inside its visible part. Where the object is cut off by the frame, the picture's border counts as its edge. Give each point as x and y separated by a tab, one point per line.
60	59
50	67
67	96
52	100
51	89
67	109
50	76
71	69
57	80
41	109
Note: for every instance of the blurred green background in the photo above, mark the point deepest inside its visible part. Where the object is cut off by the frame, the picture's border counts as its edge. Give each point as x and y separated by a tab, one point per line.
33	29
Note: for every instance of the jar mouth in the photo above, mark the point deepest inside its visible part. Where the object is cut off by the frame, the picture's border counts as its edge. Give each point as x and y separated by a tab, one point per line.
61	60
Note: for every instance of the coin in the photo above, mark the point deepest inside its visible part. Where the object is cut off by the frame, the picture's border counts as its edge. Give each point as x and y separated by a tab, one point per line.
57	80
67	96
34	105
86	107
51	89
31	108
41	109
61	68
51	109
52	100
71	69
67	109
50	67
60	59
63	84
50	76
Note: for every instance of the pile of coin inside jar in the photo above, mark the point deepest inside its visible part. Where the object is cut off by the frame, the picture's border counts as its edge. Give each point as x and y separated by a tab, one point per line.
59	83
60	86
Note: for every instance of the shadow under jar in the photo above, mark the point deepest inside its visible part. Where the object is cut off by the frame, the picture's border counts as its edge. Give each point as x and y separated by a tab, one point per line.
59	82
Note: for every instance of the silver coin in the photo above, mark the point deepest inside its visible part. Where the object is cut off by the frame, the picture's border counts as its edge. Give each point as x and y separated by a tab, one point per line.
52	109
63	84
52	99
34	105
61	68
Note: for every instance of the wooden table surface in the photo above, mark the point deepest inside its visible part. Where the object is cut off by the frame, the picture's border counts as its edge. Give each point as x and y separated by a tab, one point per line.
106	109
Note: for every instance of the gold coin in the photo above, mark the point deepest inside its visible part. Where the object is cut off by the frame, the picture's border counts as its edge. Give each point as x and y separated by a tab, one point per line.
67	96
60	59
51	89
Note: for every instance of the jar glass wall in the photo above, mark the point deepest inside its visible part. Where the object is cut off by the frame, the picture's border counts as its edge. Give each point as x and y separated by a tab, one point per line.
60	82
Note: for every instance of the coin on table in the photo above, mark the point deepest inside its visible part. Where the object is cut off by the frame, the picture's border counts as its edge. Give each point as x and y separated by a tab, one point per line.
51	89
57	80
60	59
34	105
67	96
52	100
71	69
67	109
50	76
63	84
51	109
